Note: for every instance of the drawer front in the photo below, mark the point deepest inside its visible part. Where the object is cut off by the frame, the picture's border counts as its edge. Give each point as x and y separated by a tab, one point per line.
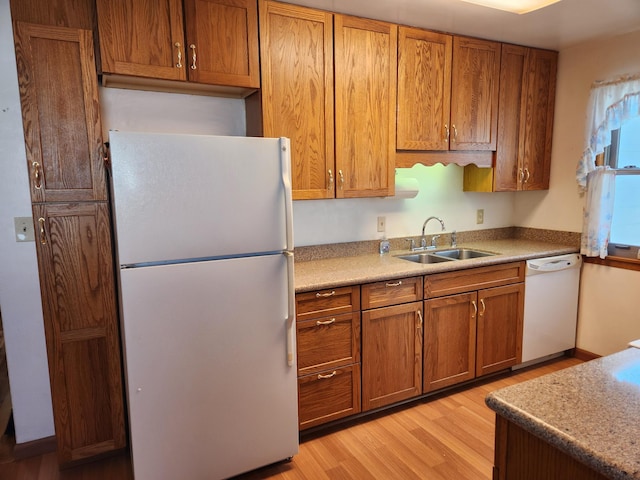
328	342
461	281
324	303
328	395
391	292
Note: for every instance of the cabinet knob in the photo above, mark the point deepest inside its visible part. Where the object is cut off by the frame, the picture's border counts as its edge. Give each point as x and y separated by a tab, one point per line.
324	377
330	187
526	175
43	233
455	133
446	133
341	179
484	307
475	308
326	322
328	294
37	175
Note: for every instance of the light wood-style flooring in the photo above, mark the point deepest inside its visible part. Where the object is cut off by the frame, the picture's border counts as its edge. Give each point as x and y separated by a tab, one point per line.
445	438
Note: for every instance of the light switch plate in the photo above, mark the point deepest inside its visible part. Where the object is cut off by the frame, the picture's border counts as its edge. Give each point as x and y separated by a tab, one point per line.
24	229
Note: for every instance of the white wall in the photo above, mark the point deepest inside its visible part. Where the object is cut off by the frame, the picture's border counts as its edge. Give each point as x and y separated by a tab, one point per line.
608	316
19	285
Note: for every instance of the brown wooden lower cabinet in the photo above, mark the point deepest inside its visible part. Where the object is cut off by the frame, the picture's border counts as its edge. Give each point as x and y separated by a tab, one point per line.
520	455
328	395
73	243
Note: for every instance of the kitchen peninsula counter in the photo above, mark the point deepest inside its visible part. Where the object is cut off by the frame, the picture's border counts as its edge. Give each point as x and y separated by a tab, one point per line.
356	269
587	414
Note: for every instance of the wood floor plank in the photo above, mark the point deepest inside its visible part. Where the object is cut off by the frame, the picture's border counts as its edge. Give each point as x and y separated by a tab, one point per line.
448	437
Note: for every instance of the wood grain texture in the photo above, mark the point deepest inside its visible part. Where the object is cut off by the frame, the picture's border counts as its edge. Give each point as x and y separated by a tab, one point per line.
391	354
424	89
449	340
61	118
499	330
446	437
328	342
225	36
474	94
391	292
81	328
59	13
323	303
449	283
137	37
296	53
365	99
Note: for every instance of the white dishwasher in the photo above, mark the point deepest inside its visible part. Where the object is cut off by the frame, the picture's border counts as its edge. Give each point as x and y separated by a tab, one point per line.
550	307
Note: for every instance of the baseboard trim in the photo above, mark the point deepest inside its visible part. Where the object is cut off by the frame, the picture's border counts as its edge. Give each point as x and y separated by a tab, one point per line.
35	447
585	355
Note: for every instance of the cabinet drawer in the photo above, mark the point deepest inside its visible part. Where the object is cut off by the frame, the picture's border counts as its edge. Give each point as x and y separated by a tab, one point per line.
461	281
391	292
328	342
324	303
328	395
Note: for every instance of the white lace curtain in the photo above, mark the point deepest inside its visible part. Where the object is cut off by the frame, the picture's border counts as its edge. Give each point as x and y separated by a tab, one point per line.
611	103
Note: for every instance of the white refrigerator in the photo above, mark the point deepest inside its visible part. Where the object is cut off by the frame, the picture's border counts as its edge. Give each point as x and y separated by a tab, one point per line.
204	243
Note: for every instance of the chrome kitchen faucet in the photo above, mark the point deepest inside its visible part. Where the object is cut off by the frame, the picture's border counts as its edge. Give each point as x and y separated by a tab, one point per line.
434	238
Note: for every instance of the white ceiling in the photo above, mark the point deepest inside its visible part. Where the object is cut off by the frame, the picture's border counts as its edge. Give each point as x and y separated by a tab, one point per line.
556	27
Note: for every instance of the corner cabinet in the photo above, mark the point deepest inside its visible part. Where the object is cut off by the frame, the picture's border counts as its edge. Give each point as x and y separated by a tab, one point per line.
73	238
525	124
211	42
365	99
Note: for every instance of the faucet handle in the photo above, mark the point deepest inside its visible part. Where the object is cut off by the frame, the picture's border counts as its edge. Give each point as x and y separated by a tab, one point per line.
434	240
454	239
412	243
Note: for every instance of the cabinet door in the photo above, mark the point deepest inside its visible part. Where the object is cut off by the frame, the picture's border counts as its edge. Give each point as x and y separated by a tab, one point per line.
78	299
449	340
365	83
508	167
62	130
222	42
424	88
474	94
500	317
142	38
539	89
391	354
296	52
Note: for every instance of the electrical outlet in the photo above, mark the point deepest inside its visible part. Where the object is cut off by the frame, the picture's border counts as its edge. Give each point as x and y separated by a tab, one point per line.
24	229
480	216
382	224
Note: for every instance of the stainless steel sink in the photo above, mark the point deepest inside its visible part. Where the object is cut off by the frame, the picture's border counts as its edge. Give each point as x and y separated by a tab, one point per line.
424	258
462	253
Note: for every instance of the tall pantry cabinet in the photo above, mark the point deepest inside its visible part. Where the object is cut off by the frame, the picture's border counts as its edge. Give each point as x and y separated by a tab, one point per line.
59	98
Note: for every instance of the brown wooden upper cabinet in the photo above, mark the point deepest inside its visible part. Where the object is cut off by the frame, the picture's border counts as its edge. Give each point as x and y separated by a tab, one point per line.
525	124
447	91
297	46
219	45
63	146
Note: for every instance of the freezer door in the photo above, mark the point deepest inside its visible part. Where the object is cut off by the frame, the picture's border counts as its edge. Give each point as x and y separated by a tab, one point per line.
210	391
196	196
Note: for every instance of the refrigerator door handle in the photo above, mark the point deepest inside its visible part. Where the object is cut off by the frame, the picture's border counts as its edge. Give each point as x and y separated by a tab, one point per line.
291	318
285	157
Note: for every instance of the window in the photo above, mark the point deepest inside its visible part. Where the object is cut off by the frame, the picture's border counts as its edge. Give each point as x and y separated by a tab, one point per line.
624	156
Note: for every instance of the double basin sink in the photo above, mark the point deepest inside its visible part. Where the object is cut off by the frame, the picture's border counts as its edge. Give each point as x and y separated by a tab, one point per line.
445	255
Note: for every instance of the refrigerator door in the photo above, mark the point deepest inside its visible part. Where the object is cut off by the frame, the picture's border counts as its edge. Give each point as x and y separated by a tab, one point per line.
210	390
178	197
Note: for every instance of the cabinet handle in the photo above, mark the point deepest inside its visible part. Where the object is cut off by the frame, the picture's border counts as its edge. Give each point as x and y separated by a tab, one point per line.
521	175
527	175
330	187
341	179
475	308
421	321
396	284
326	322
484	307
37	175
324	377
446	132
455	133
179	48
43	234
330	294
193	56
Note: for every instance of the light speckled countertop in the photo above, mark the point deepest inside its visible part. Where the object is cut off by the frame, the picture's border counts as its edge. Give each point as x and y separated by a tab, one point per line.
589	411
341	271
